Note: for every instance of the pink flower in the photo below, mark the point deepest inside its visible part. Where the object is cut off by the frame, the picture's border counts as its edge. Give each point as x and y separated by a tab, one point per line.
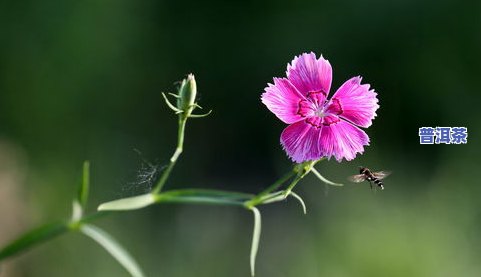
320	127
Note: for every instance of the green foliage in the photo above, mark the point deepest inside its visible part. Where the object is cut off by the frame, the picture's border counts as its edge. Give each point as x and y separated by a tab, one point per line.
296	196
256	235
77	223
80	222
113	247
34	237
324	180
192	196
83	192
130	203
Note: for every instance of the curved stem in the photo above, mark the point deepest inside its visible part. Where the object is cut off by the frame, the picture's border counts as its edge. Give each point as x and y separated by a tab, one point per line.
175	156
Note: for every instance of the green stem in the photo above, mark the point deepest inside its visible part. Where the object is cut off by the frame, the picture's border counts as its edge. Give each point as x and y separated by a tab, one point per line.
175	156
293	184
192	196
203	196
302	171
200	200
45	233
277	183
259	198
209	192
92	217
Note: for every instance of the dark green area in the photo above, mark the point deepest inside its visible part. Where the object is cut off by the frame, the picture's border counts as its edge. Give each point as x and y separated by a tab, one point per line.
83	81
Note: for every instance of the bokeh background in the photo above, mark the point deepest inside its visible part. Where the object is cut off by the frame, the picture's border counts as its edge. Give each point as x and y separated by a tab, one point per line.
82	80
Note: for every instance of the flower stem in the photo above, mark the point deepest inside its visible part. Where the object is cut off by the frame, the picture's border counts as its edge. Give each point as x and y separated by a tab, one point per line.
175	156
294	183
302	170
259	198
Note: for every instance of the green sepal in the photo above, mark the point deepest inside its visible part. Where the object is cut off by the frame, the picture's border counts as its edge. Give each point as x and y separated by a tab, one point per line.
170	105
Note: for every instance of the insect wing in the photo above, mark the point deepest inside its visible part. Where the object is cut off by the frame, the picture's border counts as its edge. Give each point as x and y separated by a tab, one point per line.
357	178
381	174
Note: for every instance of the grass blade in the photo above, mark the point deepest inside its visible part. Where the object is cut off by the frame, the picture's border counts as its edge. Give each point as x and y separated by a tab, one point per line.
255	238
210	193
199	200
83	192
33	237
113	247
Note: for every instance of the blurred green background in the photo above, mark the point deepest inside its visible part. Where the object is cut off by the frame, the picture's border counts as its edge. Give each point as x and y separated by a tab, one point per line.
82	80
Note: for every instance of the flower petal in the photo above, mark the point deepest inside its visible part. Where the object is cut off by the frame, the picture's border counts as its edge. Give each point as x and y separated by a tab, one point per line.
354	102
301	141
309	74
341	139
284	101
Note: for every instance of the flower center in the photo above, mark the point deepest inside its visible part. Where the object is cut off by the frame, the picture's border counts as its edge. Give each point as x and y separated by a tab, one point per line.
318	98
313	105
319	112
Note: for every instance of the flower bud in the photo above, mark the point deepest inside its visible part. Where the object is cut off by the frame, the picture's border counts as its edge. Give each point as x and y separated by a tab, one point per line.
187	93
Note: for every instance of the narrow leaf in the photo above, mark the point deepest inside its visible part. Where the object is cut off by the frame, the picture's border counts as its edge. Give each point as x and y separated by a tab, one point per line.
193	196
199	200
34	237
200	115
77	211
204	196
130	203
295	195
318	175
83	192
210	193
113	247
273	197
255	238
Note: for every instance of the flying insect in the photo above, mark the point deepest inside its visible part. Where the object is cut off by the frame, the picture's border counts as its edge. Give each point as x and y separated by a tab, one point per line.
372	177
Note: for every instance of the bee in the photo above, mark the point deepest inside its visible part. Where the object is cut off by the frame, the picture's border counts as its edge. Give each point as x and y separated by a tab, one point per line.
372	177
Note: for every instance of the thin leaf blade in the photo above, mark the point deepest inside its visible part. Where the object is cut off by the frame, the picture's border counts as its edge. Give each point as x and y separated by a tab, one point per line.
203	196
256	234
130	203
199	200
210	193
33	238
83	192
296	196
272	197
323	179
113	247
